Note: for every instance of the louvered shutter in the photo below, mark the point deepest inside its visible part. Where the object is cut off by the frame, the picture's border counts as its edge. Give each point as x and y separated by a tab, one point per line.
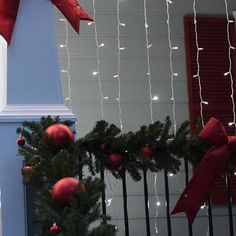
216	87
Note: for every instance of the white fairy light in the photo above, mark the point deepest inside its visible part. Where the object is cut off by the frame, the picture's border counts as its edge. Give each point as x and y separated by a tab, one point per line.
67	70
108	202
229	73
155	98
101	45
122	48
119	24
203	207
148	46
197	61
172	74
97	72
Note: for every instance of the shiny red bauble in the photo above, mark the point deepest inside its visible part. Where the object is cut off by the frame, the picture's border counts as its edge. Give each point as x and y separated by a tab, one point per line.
114	162
55	229
20	141
148	151
60	135
63	190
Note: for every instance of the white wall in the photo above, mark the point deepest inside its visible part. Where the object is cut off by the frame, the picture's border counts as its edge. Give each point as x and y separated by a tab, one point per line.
134	90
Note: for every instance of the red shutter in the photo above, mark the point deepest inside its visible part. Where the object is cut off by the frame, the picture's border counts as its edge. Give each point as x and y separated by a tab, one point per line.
216	88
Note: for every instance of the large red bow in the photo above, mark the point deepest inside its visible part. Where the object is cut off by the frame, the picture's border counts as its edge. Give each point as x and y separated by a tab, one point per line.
69	8
213	164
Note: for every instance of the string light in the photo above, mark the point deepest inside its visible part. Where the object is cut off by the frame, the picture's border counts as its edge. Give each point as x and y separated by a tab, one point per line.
152	99
158	203
148	46
97	72
229	72
110	201
119	24
198	64
67	70
155	98
173	74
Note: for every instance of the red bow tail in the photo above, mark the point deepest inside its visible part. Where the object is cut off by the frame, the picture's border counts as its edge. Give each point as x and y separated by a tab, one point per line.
198	189
69	8
213	164
8	14
73	12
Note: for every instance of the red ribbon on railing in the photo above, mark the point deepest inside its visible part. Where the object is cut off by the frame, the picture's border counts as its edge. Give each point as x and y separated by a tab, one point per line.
69	8
214	164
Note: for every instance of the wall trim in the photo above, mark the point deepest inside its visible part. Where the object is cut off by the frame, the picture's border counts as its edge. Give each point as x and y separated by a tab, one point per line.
22	112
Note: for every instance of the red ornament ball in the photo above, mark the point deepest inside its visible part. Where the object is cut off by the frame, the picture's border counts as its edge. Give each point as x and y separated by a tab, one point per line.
55	229
60	135
20	141
148	151
114	162
63	190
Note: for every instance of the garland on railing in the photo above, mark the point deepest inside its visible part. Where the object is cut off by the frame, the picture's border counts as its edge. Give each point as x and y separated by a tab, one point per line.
53	161
52	155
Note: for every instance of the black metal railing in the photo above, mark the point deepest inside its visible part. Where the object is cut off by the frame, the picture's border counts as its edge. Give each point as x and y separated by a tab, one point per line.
30	205
167	205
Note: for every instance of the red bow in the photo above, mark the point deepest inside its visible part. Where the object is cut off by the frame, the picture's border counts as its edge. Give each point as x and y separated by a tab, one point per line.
213	164
69	8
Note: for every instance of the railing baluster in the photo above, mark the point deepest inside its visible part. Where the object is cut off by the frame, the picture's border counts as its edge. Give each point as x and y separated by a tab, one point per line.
229	200
190	229
210	222
146	202
80	169
104	211
167	203
126	218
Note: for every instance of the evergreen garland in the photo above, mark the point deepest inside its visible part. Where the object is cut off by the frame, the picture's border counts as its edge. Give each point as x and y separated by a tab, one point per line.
45	165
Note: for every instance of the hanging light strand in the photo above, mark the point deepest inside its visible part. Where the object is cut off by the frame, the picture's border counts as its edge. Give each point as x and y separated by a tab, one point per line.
197	75
67	70
158	203
119	24
173	74
97	72
229	72
148	46
151	98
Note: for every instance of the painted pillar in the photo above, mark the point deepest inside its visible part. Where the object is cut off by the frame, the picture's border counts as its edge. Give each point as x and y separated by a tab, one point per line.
29	88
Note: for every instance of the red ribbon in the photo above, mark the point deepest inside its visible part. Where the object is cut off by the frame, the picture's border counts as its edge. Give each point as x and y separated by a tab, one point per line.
213	164
69	8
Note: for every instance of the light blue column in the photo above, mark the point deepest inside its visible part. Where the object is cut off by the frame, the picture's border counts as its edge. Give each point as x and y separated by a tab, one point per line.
33	90
33	70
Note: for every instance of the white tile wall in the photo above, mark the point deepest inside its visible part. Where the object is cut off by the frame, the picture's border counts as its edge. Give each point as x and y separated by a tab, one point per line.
134	93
